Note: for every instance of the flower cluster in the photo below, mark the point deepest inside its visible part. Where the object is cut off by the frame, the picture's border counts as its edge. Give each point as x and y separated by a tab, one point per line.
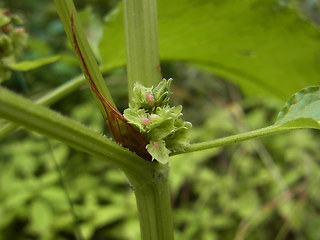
160	124
12	39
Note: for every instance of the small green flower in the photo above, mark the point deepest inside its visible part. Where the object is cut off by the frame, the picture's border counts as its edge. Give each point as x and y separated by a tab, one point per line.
158	151
160	124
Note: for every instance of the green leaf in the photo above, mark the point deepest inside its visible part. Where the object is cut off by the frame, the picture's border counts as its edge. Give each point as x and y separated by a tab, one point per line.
4	20
56	195
302	110
41	217
258	44
29	65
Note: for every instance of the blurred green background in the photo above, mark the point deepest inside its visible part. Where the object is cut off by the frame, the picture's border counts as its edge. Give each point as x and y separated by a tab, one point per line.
261	189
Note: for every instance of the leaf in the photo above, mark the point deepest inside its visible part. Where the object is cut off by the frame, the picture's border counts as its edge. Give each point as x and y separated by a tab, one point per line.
302	110
41	217
258	44
30	65
56	195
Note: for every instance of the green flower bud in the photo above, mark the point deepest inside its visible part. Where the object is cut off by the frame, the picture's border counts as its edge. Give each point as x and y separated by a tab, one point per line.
4	20
19	39
150	99
6	46
13	39
154	117
6	12
161	93
145	121
159	151
16	20
6	29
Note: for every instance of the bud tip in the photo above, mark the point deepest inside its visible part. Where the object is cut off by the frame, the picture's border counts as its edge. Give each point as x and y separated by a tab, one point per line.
156	145
146	121
150	99
19	30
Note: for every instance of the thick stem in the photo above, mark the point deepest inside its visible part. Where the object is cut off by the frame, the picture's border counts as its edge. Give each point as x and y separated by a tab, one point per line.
53	97
48	99
154	206
141	30
47	122
76	35
143	66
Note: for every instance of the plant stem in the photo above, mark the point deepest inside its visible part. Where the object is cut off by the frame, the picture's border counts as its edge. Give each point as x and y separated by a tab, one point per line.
141	31
48	99
76	35
149	179
47	122
235	138
154	206
143	66
62	91
53	97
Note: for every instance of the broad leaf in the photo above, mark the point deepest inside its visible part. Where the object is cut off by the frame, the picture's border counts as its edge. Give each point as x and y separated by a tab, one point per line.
302	110
263	46
29	65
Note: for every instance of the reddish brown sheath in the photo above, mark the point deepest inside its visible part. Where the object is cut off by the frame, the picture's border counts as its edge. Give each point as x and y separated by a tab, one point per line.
123	133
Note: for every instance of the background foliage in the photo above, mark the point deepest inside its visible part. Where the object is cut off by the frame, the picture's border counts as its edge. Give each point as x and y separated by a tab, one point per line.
261	189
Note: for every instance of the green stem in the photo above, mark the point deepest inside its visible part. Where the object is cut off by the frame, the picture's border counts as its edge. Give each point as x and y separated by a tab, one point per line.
235	138
53	97
62	91
48	99
154	206
141	31
76	35
47	122
149	179
143	66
